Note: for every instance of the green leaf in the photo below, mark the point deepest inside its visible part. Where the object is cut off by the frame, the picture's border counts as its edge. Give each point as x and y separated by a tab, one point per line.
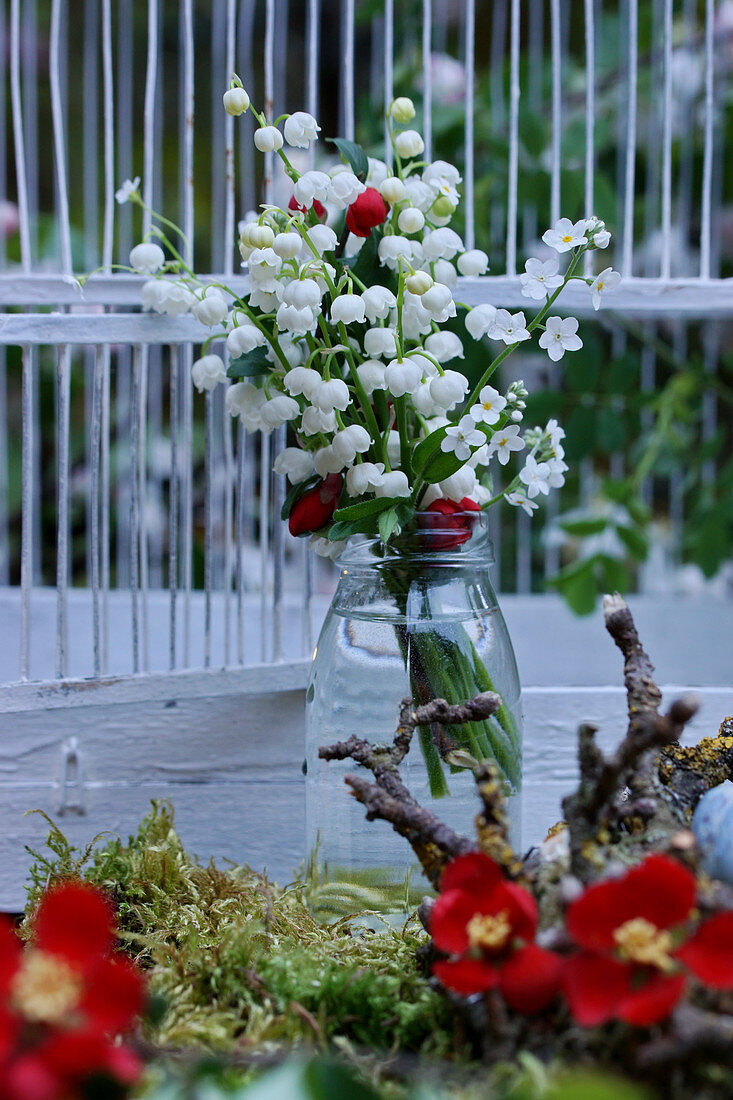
426	448
366	508
441	466
577	584
583	527
388	522
355	156
635	541
247	366
612	575
296	492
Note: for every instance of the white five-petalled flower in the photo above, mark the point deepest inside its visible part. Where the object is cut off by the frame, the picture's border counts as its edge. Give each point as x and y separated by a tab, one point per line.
489	407
509	327
461	437
565	235
606	280
504	441
128	188
540	278
560	335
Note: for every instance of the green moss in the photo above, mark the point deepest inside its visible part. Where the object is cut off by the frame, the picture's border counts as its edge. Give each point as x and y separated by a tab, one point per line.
237	960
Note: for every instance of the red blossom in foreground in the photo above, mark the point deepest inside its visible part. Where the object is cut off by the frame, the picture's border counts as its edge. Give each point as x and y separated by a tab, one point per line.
63	999
367	211
635	946
448	522
318	207
314	509
487	925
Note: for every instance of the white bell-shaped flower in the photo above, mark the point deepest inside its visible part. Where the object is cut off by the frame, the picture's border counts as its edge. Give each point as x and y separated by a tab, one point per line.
331	395
392	189
326	462
302	380
364	477
348	308
277	411
268	139
211	308
394	484
448	389
295	464
207	372
441	244
378	300
288	245
322	237
444	346
311	185
344	189
380	341
371	375
350	442
300	129
147	258
244	339
473	262
315	421
402	376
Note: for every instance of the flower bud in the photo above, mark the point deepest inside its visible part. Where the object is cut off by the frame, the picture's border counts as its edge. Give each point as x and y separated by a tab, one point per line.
443	207
409	144
268	139
403	109
411	220
236	101
392	189
419	283
207	372
367	211
254	235
315	508
474	262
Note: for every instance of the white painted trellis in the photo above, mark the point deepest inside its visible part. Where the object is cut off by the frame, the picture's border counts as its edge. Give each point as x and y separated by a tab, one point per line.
109	685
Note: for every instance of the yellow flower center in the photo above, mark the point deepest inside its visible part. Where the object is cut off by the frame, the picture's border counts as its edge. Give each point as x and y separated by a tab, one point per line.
600	286
45	989
487	932
487	406
642	942
566	239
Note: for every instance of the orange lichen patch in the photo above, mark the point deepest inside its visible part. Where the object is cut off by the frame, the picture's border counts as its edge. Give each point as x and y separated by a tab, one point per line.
555	829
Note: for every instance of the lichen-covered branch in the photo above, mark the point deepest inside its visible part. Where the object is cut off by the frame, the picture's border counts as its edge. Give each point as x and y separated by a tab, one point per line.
597	801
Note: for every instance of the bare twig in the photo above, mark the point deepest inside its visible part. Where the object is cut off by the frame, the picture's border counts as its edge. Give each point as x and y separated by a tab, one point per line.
388	799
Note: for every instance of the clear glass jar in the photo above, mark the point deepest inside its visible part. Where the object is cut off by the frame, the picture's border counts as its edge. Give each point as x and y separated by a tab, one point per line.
417	618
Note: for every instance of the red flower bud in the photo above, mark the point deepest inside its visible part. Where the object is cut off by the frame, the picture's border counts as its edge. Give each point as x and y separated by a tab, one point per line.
319	208
314	509
368	210
443	517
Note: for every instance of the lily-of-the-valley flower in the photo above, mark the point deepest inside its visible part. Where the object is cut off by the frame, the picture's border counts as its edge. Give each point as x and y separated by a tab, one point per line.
448	389
409	143
444	346
364	477
487	926
606	280
236	101
394	483
344	189
300	130
207	372
402	109
295	464
560	335
268	139
636	948
402	376
410	220
147	258
211	308
480	320
348	308
474	262
518	499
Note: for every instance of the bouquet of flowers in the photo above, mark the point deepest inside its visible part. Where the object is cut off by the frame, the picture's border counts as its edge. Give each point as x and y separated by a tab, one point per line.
341	335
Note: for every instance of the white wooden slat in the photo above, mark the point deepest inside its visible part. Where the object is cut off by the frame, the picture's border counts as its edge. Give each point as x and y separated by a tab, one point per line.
667	107
347	68
590	117
63	411
469	107
632	62
556	110
427	78
708	151
59	139
19	137
388	71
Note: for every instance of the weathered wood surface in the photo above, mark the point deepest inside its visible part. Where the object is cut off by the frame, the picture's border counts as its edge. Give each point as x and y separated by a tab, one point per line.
231	765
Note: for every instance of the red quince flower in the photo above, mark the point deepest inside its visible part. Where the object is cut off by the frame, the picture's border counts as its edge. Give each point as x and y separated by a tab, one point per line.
63	999
368	210
320	209
632	933
448	523
488	925
314	509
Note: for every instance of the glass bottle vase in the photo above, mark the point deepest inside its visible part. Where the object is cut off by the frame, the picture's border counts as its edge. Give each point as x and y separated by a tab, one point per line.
418	618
